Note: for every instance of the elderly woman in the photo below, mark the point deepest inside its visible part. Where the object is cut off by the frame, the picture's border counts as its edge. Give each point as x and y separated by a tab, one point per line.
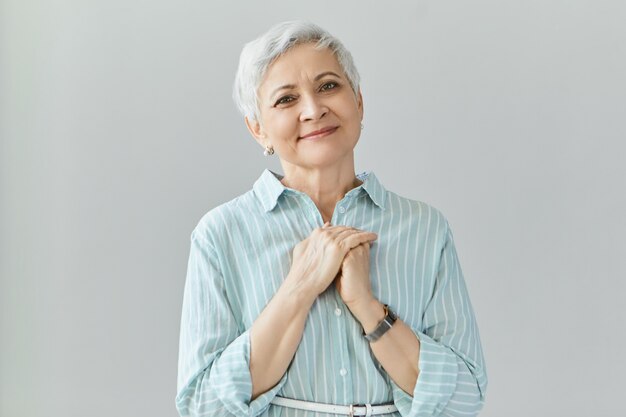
320	291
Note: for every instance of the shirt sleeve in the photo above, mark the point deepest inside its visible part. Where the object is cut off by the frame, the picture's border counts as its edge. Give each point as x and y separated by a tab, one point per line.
452	380
214	355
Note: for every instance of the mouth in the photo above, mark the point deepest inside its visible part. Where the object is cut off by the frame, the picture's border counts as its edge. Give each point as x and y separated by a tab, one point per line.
320	133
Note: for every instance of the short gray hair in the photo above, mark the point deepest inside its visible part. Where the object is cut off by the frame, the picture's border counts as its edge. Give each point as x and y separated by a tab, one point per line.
258	54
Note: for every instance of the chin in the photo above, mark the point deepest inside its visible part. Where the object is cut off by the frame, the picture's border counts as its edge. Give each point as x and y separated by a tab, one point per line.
326	157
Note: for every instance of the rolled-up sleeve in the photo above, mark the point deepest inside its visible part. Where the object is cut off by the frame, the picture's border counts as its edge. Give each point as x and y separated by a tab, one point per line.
214	355
452	380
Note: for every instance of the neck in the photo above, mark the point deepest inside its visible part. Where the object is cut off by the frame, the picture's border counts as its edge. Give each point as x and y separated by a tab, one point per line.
324	185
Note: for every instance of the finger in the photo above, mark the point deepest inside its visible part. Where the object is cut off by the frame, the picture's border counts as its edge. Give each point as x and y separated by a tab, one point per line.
332	230
338	232
355	239
325	226
345	231
363	246
363	237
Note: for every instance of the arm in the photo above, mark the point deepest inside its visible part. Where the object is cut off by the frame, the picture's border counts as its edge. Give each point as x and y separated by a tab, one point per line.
442	367
276	334
214	365
397	350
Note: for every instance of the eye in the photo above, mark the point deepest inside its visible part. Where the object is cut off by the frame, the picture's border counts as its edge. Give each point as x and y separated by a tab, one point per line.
332	85
283	100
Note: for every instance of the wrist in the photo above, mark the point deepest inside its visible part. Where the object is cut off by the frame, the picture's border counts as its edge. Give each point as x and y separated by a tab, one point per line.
369	314
299	291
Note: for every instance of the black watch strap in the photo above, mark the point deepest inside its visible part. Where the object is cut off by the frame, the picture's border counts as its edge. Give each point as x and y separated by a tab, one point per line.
383	326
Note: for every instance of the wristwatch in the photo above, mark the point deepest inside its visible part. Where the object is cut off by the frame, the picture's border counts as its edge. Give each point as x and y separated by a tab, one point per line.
383	326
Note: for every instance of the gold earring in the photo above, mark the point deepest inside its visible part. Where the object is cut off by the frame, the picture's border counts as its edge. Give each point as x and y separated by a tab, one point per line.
268	150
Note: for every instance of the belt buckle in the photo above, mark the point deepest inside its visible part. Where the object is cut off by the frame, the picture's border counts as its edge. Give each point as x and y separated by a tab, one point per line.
368	408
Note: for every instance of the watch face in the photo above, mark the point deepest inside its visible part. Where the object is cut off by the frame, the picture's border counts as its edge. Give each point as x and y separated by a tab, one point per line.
385	324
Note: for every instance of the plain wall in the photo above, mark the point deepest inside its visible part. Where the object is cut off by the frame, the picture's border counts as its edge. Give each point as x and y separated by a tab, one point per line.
118	132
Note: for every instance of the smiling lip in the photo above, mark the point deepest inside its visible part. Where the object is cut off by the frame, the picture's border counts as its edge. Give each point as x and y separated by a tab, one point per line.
320	133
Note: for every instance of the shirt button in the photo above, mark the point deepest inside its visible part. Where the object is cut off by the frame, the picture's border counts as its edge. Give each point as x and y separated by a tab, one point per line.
337	311
343	371
342	209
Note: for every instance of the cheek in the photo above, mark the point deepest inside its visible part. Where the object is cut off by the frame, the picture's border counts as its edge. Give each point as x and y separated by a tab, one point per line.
350	111
282	125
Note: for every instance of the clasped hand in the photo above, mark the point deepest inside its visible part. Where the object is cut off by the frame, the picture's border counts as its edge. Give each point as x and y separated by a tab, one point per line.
339	254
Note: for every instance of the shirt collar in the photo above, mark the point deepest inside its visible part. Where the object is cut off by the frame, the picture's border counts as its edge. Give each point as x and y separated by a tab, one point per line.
268	188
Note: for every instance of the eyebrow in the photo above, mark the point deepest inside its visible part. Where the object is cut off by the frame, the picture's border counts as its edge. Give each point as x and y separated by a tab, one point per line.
288	86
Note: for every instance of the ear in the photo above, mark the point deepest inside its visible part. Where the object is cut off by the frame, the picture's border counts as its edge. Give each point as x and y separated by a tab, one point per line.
360	103
256	130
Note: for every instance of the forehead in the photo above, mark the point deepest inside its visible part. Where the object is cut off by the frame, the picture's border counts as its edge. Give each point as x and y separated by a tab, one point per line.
300	63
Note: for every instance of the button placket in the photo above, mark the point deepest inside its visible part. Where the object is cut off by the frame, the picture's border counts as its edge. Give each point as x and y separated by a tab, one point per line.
343	359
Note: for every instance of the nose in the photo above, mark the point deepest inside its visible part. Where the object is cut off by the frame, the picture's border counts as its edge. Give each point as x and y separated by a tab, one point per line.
312	107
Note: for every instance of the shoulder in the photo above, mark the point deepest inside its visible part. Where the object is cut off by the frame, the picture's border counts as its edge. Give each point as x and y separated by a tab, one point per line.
220	219
425	216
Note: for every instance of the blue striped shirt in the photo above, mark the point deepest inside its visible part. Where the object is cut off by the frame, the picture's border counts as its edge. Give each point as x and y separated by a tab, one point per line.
241	251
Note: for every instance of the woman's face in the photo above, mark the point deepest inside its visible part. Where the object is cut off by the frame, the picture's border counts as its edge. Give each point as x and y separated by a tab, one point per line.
303	91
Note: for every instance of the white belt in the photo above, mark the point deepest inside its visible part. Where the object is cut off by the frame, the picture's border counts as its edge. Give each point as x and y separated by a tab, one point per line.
349	410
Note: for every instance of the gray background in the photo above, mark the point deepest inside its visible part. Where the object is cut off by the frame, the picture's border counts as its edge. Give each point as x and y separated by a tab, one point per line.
119	132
